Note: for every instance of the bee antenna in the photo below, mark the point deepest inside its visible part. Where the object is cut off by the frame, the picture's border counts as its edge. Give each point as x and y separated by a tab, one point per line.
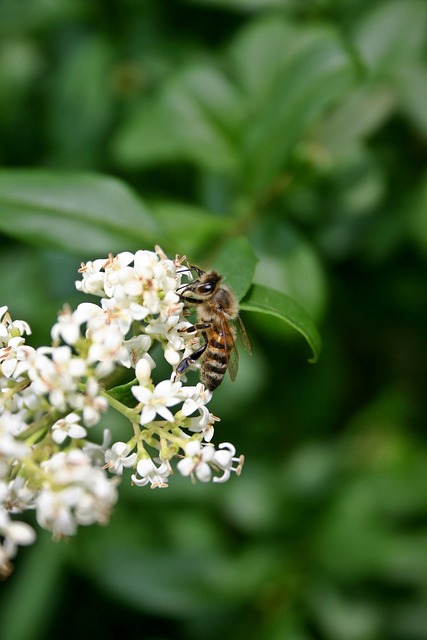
182	286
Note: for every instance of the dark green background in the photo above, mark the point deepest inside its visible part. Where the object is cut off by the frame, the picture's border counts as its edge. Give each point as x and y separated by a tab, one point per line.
301	125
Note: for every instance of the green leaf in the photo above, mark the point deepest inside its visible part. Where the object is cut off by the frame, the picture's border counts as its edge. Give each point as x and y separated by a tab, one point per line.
415	210
81	213
24	613
81	103
248	5
291	76
296	271
364	111
265	300
190	229
236	261
123	393
390	33
193	118
411	84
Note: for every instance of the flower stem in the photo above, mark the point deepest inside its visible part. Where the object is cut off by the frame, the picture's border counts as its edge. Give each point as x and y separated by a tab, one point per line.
128	412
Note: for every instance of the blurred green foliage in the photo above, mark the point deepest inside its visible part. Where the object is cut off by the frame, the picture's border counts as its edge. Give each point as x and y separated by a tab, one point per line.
302	125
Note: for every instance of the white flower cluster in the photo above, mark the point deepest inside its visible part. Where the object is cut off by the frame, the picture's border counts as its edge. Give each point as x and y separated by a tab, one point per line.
50	398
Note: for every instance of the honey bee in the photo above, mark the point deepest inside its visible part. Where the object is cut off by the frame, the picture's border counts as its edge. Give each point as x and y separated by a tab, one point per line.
218	322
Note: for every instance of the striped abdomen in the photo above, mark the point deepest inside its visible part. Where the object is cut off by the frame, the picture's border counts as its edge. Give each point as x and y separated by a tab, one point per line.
220	342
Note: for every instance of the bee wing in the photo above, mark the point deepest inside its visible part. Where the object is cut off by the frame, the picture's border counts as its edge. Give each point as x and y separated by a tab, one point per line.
227	330
243	336
233	361
233	355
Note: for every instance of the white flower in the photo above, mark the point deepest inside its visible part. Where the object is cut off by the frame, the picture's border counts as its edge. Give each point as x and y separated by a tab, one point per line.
3	311
54	510
200	459
96	452
164	395
17	495
117	312
93	277
90	402
74	492
137	348
11	449
118	457
107	345
9	329
67	327
21	327
197	460
88	312
67	486
166	322
203	423
197	397
8	359
117	271
56	371
13	534
224	460
156	476
143	369
177	339
69	426
146	265
96	503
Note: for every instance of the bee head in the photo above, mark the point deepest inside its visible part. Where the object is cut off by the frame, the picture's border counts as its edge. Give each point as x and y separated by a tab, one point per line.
208	283
202	288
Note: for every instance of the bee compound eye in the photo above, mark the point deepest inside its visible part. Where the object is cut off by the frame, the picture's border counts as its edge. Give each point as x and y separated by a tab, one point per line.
208	287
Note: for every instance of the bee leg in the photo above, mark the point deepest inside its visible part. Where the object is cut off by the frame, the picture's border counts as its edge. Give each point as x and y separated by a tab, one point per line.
187	362
196	328
192	359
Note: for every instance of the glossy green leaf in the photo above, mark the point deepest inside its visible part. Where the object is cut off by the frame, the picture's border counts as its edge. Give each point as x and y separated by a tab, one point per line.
290	75
122	393
265	300
236	261
297	272
86	214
